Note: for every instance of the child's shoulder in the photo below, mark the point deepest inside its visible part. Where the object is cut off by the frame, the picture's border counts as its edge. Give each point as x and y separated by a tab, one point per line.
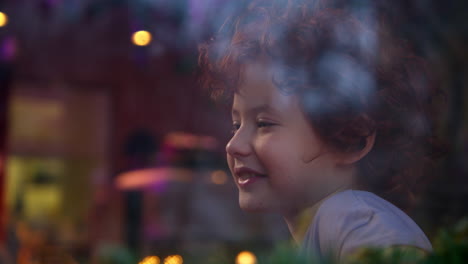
352	213
352	219
361	204
344	209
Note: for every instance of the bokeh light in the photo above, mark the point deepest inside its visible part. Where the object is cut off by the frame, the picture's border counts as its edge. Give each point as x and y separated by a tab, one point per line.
219	177
174	259
141	38
3	19
246	257
151	260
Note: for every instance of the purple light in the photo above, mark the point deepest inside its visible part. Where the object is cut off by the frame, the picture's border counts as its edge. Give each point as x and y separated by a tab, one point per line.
8	49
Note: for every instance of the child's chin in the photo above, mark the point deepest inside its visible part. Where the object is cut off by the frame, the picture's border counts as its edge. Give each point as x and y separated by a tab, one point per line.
252	206
253	209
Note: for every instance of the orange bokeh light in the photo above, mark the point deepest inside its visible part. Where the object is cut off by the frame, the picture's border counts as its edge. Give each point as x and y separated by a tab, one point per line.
141	38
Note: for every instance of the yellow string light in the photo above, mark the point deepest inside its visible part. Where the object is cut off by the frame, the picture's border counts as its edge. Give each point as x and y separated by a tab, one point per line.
3	19
141	38
246	257
151	260
174	259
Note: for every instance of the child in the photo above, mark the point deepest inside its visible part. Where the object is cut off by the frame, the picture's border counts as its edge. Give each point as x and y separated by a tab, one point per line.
330	123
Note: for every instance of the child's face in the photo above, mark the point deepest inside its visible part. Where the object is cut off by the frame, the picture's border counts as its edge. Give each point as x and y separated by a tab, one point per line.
277	160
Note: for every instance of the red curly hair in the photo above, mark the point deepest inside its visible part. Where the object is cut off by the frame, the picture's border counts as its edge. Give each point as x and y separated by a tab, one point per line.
354	78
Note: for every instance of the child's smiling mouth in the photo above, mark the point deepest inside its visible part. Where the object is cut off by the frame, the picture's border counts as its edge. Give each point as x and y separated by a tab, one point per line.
246	176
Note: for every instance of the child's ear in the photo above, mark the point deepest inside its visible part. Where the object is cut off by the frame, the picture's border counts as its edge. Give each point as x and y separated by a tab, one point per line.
354	156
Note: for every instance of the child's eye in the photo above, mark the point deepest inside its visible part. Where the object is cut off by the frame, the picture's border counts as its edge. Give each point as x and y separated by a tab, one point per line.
261	124
235	127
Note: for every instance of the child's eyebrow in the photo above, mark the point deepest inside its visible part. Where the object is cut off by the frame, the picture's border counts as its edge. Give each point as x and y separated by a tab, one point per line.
257	109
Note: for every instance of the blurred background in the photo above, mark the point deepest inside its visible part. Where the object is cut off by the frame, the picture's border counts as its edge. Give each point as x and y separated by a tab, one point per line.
111	153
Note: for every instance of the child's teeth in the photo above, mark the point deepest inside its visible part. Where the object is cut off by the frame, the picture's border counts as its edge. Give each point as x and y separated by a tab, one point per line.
246	176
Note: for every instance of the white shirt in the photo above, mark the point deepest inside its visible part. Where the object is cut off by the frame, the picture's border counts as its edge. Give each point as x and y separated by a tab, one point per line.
353	219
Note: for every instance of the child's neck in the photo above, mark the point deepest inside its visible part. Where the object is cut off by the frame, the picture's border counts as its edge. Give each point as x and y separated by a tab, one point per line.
299	222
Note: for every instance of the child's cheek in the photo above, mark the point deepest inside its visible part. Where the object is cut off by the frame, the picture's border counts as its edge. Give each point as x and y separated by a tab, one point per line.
278	156
264	147
271	150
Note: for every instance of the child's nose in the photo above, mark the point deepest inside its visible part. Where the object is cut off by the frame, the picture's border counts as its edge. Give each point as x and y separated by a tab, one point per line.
238	146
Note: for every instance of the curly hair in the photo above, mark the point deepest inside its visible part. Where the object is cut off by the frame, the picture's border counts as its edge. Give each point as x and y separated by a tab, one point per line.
354	78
